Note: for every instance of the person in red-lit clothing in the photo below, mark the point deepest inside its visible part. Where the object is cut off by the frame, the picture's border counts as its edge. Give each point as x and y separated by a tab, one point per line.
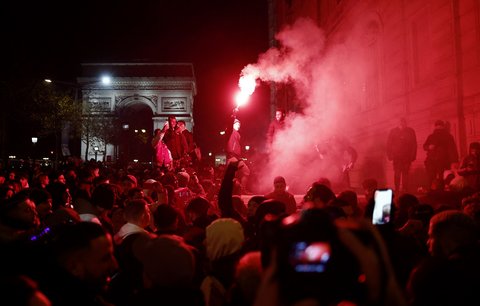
174	139
163	156
281	194
275	126
234	153
402	151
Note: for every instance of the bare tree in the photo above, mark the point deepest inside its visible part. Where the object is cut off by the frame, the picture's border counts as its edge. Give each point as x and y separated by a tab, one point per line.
99	126
54	108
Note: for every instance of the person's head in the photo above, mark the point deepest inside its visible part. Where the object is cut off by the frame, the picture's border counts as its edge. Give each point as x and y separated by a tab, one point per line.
403	122
59	177
183	178
167	261
43	179
181	125
172	121
279	114
137	212
136	193
325	181
104	196
19	212
85	251
236	124
253	203
157	132
439	125
11	175
319	195
22	290
450	230
351	198
197	208
474	148
407	201
170	179
224	237
42	200
279	184
268	209
23	179
6	192
128	182
248	275
60	195
165	218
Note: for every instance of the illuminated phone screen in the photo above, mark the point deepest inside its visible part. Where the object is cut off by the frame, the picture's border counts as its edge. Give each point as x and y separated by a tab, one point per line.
310	257
383	206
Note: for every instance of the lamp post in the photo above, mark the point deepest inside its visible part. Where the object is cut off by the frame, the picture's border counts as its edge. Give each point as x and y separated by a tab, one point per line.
34	142
96	152
78	88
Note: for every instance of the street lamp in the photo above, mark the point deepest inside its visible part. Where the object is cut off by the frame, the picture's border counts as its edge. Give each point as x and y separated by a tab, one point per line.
96	152
81	85
34	142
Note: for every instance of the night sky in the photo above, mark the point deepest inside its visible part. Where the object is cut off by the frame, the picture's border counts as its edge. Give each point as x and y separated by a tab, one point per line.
52	38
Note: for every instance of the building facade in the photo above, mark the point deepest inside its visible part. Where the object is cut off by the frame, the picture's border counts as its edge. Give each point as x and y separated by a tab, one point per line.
418	59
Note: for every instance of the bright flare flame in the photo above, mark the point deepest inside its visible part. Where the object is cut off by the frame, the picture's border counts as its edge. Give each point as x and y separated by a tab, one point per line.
241	98
247	84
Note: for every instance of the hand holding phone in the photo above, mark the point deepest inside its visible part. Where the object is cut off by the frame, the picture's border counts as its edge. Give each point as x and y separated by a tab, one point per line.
382	209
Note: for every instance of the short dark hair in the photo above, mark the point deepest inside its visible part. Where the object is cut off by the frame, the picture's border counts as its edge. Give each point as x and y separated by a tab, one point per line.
72	238
104	196
165	216
321	192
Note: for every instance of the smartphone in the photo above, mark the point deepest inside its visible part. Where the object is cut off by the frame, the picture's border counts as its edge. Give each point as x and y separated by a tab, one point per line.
382	209
310	257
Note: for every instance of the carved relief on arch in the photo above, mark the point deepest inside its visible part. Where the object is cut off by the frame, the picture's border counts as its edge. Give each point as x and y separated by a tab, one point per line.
126	101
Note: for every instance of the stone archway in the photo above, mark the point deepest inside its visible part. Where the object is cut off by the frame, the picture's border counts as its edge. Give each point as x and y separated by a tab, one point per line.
137	128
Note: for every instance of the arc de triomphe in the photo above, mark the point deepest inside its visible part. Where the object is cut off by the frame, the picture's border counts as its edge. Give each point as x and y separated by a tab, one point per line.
164	88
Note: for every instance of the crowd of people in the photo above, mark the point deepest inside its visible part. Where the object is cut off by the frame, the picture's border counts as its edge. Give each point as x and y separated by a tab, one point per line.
182	234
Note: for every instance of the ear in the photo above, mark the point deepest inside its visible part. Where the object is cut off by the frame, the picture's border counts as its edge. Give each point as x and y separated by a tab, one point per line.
74	265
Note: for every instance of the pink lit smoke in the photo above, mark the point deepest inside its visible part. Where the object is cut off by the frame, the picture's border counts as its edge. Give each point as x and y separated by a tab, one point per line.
324	76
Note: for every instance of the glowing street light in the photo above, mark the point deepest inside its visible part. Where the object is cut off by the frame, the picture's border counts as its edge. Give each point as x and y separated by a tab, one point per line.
96	152
34	140
247	148
106	80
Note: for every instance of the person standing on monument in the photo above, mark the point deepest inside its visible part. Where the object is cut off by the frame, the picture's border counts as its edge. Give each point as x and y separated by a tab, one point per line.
234	153
175	141
402	151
